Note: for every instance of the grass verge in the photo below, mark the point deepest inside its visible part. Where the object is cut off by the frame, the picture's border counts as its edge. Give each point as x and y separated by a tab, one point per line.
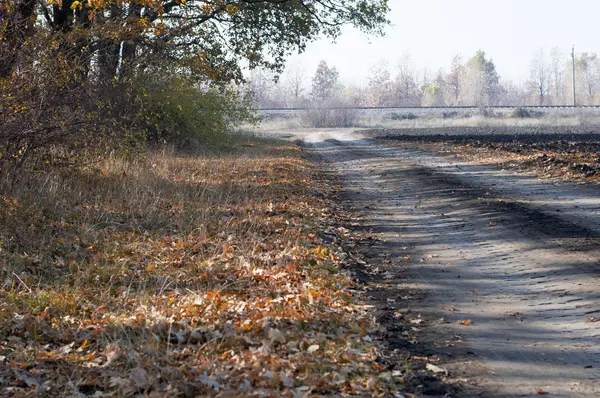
173	275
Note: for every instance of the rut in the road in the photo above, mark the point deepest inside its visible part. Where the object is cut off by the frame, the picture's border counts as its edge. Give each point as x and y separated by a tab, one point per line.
525	278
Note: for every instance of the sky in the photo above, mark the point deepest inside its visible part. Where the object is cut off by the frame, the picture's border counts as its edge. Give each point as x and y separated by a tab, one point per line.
511	32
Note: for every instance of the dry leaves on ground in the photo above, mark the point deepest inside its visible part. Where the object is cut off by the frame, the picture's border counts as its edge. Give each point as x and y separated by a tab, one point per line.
172	276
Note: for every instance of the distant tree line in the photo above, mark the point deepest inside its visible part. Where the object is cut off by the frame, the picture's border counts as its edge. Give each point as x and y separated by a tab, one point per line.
472	81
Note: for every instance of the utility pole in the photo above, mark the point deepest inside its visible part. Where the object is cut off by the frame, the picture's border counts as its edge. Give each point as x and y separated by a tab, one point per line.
573	56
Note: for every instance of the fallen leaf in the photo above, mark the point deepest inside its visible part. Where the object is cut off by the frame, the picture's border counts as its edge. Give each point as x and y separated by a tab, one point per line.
140	378
312	348
466	322
209	382
436	369
64	350
276	335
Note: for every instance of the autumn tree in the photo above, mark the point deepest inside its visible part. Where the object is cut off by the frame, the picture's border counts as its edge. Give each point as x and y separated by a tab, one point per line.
433	92
380	89
452	81
17	20
539	81
73	68
479	82
325	84
295	82
406	85
588	74
557	76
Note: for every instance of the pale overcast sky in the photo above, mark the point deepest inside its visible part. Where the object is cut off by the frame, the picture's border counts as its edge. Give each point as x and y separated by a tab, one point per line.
433	31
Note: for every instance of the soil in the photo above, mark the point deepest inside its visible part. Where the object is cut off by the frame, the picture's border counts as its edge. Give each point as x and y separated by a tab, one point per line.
559	152
485	279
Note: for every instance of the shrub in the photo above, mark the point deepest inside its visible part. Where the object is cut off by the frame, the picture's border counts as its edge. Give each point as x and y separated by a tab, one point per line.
403	116
50	109
178	111
54	115
331	115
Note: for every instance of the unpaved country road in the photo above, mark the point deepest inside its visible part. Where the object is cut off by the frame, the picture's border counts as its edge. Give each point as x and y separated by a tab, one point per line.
516	256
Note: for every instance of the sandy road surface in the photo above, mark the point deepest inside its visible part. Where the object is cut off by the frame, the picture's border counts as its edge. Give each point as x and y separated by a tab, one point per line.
518	257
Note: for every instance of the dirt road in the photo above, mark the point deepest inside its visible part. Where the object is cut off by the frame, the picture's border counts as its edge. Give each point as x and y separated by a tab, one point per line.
514	258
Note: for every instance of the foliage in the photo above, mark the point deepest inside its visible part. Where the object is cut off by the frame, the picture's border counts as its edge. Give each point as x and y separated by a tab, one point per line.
174	110
325	84
468	82
77	76
339	116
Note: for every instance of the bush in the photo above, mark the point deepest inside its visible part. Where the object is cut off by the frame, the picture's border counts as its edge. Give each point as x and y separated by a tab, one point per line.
54	115
524	113
50	112
332	116
520	113
403	116
178	111
487	112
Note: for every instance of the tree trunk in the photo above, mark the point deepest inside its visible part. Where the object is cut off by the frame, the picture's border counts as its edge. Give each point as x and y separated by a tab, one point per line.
19	26
130	46
109	52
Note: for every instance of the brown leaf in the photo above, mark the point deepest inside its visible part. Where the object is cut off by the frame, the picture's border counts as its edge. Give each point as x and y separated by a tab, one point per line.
140	378
275	335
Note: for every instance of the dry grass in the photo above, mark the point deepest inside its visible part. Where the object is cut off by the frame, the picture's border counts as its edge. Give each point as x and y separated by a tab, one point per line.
178	276
434	119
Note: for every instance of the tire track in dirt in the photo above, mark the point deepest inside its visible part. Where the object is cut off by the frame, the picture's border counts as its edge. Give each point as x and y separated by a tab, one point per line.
468	245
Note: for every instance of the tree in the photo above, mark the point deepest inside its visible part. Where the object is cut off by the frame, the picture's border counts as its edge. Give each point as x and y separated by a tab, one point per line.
433	92
295	80
479	81
325	84
452	81
16	26
588	66
380	87
79	68
557	82
539	80
207	37
406	86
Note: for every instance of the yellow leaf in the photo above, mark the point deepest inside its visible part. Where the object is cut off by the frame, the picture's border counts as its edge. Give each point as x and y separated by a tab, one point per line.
75	5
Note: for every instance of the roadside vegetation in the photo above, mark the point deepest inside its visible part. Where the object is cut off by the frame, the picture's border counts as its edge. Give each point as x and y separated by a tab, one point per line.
177	275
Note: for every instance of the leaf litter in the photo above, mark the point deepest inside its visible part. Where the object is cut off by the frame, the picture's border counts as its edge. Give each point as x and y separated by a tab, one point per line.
179	276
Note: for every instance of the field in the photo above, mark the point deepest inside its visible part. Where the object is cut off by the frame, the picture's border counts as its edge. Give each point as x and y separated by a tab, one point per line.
427	118
565	152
